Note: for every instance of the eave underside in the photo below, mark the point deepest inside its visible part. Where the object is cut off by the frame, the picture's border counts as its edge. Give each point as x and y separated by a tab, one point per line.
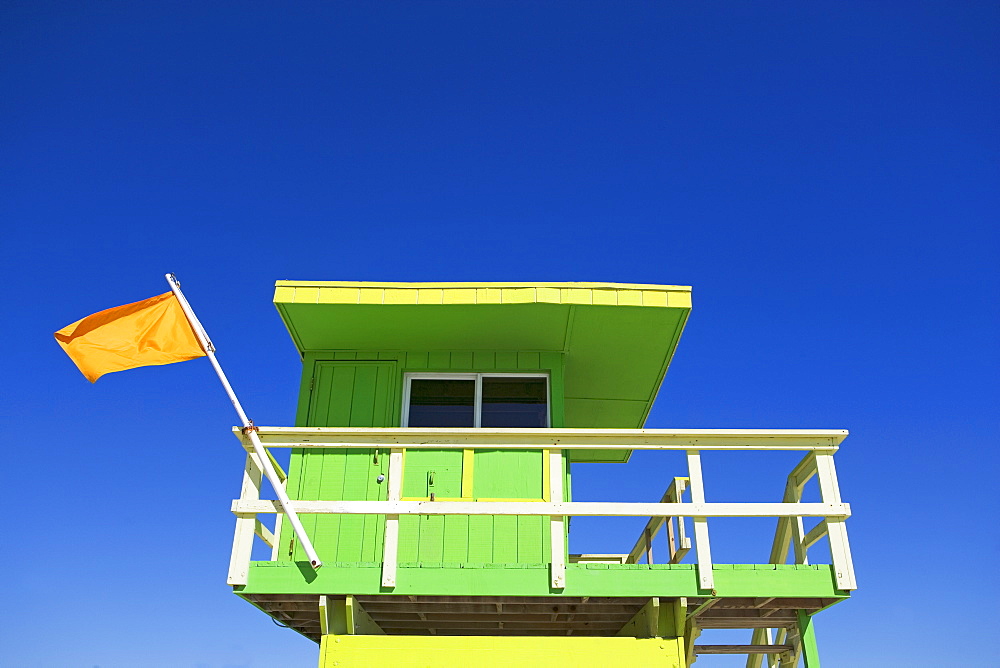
599	600
531	616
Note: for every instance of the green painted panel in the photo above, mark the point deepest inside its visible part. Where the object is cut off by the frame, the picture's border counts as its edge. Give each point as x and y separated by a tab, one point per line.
364	391
456	538
480	539
416	360
431	538
493	579
352	394
505	543
432	471
506	361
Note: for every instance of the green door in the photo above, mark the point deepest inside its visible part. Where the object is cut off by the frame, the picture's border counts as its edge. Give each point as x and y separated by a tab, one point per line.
344	394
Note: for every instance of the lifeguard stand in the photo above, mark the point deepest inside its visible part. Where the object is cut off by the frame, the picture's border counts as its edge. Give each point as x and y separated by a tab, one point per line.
438	428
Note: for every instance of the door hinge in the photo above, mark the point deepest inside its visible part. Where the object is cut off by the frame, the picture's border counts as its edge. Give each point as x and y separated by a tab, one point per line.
312	384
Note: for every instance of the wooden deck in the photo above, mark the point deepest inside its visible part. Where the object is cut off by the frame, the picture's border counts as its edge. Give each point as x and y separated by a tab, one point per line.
530	616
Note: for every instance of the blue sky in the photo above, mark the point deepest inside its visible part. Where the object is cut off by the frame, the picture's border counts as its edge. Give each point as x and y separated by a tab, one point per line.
824	175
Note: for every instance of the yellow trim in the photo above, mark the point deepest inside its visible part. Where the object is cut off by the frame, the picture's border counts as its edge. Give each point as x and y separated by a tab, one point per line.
441	651
468	459
357	292
372	284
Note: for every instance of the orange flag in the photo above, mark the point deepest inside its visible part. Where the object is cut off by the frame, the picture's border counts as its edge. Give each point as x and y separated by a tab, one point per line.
153	331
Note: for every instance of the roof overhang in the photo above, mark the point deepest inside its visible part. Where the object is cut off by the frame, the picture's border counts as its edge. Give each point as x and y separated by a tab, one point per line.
617	339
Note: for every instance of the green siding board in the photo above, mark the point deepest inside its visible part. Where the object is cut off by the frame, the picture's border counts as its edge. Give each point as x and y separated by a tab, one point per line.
462	361
409	534
456	538
480	538
505	539
439	360
529	540
507	474
352	526
485	361
431	539
364	388
344	393
416	361
506	361
527	361
510	579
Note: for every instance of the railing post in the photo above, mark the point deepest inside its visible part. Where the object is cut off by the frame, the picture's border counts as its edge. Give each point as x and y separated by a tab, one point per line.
557	523
706	580
277	531
390	547
799	546
840	549
239	560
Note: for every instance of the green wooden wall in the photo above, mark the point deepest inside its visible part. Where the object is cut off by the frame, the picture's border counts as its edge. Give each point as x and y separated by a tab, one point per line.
364	389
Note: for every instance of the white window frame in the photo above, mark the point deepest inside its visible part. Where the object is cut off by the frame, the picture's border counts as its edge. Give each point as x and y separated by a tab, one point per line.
478	400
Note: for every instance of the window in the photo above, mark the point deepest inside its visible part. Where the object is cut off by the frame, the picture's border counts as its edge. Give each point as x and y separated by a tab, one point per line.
476	400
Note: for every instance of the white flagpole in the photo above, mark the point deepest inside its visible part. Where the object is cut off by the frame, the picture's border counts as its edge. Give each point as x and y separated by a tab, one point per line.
248	429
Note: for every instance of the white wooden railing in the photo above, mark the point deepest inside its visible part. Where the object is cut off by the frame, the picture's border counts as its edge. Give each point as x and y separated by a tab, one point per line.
669	512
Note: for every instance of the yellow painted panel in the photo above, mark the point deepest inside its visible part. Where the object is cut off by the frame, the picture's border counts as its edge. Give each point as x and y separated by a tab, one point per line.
576	296
488	296
284	295
548	295
306	295
605	297
370	296
468	460
400	296
679	299
430	296
518	295
460	296
654	298
629	298
338	295
574	284
497	651
353	292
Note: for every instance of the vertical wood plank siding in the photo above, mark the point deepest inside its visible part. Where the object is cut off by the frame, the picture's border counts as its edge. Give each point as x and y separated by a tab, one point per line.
364	389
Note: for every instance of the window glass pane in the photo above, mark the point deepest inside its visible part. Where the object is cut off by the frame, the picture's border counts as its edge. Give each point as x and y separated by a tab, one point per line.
514	402
442	403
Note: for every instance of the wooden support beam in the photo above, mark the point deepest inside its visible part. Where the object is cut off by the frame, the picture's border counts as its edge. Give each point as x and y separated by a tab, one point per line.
264	533
359	622
807	640
704	605
246	524
815	534
390	544
645	623
826	440
537	508
741	649
557	523
840	549
706	580
332	616
345	616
